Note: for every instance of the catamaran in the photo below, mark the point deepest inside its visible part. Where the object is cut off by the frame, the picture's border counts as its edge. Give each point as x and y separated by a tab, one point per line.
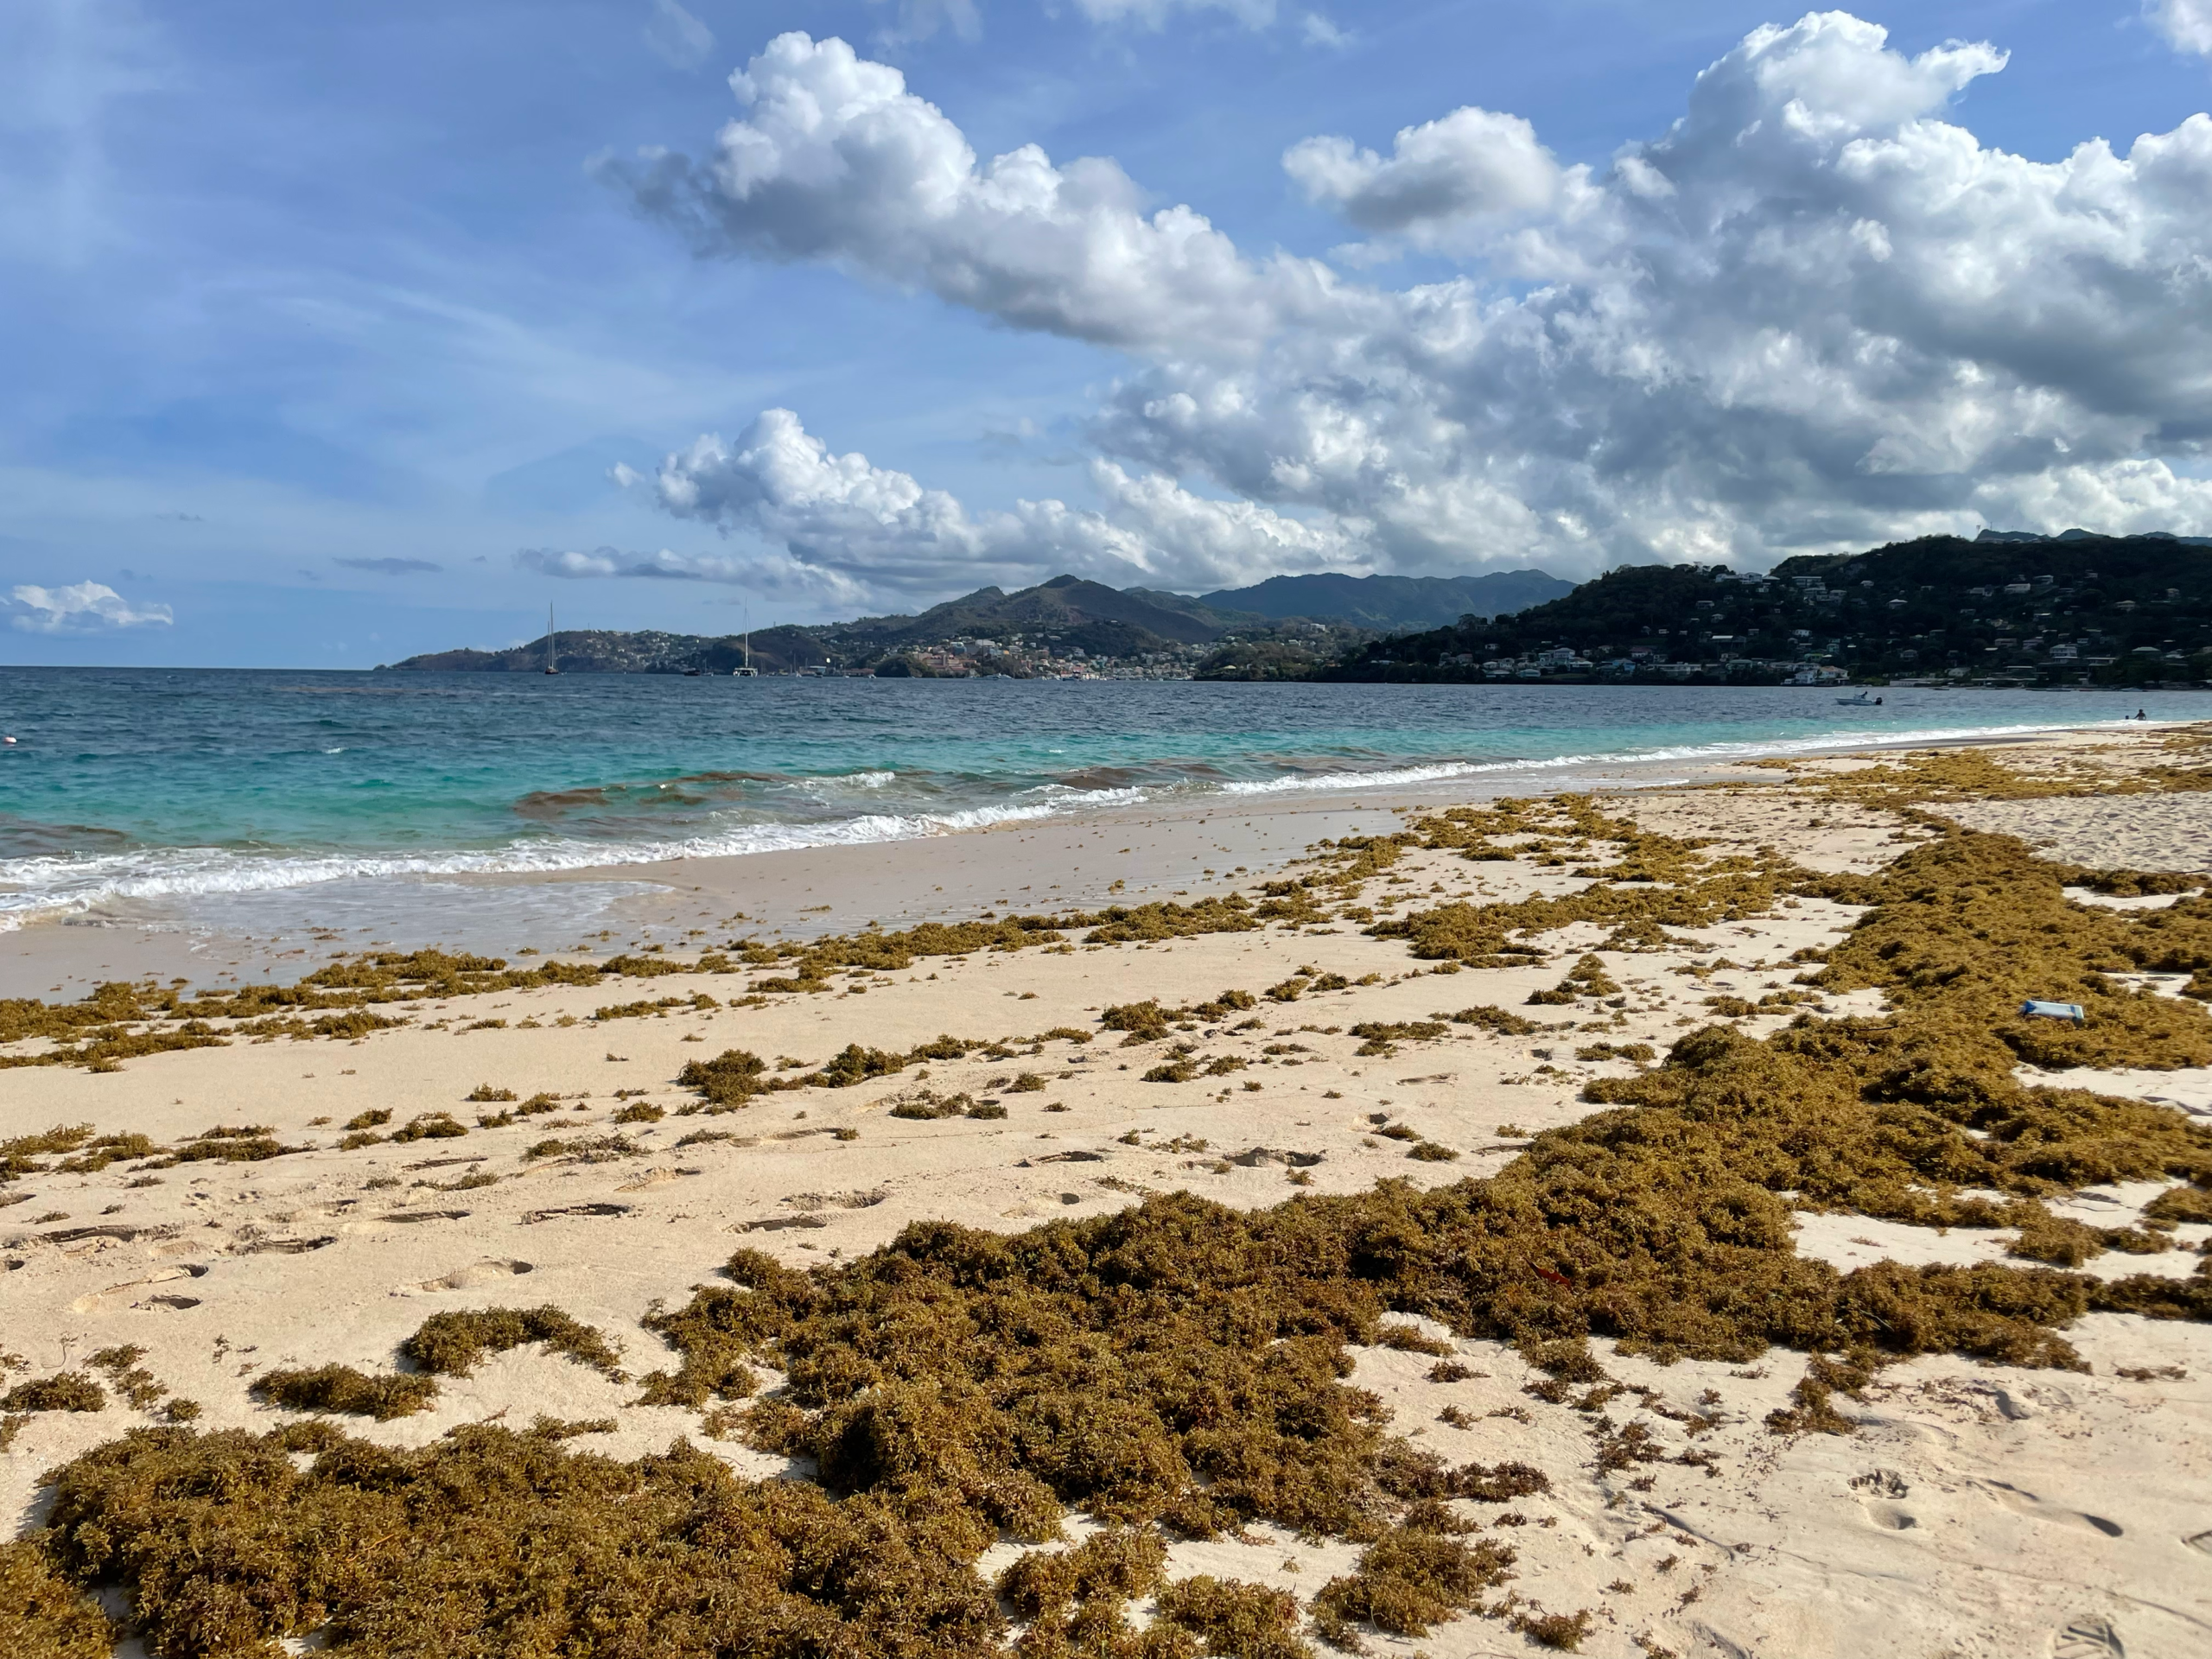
747	671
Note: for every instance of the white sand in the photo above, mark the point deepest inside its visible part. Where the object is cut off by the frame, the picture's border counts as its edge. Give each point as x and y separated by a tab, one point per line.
2132	832
1977	1511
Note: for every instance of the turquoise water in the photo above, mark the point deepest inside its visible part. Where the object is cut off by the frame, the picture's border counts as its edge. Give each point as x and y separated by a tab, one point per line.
130	785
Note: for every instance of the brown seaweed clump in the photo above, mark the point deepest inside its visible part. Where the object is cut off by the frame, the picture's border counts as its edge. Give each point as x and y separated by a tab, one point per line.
1416	1575
342	1389
63	1391
450	1344
493	1541
227	1144
1382	1038
124	1019
1241	1621
1078	1599
43	1614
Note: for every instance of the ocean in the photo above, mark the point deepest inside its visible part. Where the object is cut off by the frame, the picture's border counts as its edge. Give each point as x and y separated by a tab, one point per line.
163	793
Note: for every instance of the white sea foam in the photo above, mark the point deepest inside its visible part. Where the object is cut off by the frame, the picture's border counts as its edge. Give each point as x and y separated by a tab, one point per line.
31	888
39	887
1438	771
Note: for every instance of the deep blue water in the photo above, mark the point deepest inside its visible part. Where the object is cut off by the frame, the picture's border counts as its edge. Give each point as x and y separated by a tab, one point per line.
147	784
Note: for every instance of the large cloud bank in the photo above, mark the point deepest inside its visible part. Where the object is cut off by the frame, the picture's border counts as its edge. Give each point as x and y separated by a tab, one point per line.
846	530
1817	312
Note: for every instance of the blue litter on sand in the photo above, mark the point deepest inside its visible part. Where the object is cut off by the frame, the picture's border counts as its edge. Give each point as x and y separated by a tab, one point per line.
2054	1011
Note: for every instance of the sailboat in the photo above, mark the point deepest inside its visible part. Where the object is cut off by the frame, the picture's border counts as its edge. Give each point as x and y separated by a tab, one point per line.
747	671
550	669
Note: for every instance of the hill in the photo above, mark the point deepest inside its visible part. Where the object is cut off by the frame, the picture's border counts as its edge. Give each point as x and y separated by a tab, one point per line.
2059	610
1295	621
600	650
1079	613
1391	603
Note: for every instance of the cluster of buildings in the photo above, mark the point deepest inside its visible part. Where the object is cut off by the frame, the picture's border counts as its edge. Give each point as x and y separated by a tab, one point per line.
1646	663
1019	658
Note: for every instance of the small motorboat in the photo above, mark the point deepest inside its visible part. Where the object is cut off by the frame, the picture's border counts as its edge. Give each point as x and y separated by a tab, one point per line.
1862	701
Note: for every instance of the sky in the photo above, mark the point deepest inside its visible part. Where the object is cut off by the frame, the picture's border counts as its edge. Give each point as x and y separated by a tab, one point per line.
335	335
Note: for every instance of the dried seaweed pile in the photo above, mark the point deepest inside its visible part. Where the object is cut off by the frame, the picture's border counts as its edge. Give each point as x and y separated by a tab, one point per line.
733	1079
121	1020
1181	1368
124	1020
1902	782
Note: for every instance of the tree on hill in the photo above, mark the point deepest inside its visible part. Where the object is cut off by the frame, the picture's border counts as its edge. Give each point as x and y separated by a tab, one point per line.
2098	610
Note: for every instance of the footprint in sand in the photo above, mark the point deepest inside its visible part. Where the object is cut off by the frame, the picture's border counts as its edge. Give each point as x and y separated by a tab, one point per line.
133	1293
2035	1509
2090	1637
536	1215
489	1271
838	1200
655	1178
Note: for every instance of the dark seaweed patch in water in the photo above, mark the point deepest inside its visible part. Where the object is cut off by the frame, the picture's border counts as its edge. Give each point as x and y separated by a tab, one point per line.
696	789
546	804
21	837
1102	778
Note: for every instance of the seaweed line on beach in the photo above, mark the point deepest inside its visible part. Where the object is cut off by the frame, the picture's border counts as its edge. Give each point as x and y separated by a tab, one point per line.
1178	1369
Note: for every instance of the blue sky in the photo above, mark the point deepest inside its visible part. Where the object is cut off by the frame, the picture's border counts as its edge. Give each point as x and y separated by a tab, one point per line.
329	330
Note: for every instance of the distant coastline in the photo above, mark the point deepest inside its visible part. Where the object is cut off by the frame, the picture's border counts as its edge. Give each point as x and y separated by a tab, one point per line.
2007	609
1066	628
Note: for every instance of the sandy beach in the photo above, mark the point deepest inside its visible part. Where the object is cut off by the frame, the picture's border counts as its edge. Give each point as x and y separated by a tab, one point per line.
1440	1017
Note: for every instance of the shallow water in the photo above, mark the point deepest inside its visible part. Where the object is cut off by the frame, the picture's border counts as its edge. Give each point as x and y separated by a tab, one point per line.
184	784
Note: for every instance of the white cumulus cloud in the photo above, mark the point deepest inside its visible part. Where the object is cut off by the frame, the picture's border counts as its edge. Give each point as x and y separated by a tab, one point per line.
835	160
81	606
774	573
846	527
1471	166
1816	312
2186	23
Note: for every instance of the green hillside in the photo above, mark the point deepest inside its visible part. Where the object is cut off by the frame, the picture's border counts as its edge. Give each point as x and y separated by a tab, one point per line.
2073	610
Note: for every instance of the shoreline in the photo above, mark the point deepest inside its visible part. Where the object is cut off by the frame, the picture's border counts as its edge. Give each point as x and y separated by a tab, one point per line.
895	881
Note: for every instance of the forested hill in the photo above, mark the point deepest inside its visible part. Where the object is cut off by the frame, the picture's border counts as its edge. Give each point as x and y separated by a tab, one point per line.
603	651
1391	603
1046	628
2101	610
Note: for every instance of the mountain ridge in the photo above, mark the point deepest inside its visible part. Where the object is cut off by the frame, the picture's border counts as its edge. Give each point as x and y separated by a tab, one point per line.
1067	618
1390	602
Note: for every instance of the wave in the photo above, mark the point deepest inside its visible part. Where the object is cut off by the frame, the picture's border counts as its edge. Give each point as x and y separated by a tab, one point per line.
1438	771
47	884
